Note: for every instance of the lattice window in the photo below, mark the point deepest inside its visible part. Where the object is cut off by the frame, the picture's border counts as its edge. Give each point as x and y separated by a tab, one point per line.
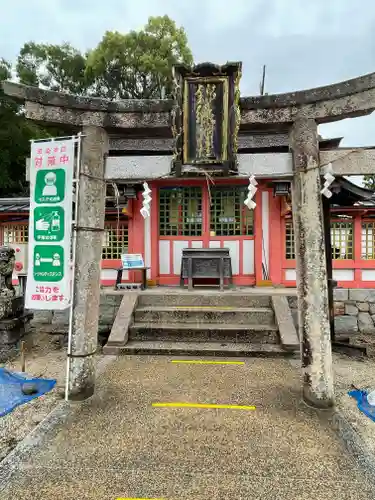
115	240
180	211
368	240
228	215
16	234
342	240
289	241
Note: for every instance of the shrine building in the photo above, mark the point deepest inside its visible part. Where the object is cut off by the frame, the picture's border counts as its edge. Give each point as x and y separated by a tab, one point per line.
261	241
198	170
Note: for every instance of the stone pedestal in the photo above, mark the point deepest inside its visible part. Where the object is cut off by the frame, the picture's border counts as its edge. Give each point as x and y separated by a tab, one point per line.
14	320
90	225
12	330
314	325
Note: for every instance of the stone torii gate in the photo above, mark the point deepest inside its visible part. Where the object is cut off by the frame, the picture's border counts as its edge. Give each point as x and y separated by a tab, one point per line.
296	113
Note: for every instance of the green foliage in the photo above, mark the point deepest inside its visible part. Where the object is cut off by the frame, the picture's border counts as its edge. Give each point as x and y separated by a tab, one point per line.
369	181
5	70
15	135
56	67
138	65
135	65
123	66
14	140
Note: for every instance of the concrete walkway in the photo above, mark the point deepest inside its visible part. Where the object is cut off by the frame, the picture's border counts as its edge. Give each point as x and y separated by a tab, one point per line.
119	446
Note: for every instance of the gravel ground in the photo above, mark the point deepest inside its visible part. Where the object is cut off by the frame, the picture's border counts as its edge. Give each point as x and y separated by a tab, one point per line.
45	359
118	445
362	375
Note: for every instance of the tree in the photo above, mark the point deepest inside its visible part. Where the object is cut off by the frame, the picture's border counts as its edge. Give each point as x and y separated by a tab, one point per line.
55	67
138	65
5	70
369	181
15	135
135	65
14	140
123	66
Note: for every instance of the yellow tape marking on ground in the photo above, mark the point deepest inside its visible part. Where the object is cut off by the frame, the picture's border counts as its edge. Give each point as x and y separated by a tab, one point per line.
198	405
201	362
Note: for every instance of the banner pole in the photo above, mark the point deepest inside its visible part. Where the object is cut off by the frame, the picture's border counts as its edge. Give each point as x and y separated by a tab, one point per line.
74	244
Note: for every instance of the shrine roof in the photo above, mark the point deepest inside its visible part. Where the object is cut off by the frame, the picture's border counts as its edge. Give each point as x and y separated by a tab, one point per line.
347	193
21	205
15	205
330	143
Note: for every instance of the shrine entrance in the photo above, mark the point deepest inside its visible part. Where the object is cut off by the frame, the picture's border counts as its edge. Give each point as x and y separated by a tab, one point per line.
201	214
209	121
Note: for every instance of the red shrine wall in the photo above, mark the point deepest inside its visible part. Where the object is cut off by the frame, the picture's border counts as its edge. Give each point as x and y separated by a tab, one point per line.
199	214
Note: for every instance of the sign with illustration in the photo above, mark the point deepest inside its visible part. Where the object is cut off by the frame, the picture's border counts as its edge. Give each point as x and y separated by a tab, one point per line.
48	263
51	186
49	223
132	260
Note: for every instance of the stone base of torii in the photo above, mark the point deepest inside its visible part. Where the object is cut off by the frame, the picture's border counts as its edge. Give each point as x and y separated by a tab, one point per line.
299	114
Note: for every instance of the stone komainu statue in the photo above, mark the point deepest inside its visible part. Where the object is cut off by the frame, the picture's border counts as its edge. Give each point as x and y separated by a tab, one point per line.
7	261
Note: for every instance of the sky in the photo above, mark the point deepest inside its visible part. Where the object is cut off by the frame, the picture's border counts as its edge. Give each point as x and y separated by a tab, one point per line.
303	43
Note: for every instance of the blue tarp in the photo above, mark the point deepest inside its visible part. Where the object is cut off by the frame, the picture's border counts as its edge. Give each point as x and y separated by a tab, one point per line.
362	403
11	394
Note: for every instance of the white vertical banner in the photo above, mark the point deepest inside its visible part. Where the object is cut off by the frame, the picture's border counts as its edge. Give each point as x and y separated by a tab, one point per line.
50	224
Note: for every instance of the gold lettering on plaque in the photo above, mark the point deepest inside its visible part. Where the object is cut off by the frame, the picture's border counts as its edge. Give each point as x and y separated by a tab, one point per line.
205	120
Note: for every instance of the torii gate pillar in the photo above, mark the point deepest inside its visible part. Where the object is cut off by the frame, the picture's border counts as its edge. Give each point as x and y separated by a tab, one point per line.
314	325
86	298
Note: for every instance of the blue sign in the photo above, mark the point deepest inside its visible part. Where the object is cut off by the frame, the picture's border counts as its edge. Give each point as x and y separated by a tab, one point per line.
131	260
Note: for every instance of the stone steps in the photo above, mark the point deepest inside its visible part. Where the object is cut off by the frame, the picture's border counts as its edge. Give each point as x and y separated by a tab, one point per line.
226	349
203	299
202	315
204	323
208	332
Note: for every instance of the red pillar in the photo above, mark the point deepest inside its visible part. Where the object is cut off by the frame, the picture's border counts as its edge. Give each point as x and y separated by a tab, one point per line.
276	243
154	234
258	247
357	249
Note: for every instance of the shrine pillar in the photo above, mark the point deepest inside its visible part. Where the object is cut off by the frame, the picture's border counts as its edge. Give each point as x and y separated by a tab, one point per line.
86	298
308	222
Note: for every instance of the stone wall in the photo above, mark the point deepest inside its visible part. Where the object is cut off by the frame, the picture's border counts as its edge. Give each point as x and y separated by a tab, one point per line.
59	320
354	311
